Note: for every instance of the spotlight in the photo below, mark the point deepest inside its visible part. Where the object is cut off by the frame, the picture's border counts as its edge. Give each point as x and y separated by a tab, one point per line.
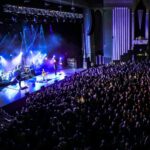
13	19
17	60
73	8
60	60
35	20
21	53
45	20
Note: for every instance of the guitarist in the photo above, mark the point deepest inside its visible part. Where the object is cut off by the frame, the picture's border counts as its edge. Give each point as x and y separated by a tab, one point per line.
43	74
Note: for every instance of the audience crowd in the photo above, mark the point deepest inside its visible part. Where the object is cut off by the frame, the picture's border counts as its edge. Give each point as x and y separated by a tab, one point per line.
105	107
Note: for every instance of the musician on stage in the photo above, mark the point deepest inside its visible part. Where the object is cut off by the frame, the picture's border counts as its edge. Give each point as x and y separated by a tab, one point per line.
19	79
43	74
18	75
55	65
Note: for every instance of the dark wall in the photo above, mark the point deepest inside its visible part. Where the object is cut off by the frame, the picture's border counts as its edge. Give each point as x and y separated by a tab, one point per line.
107	27
98	33
139	32
68	35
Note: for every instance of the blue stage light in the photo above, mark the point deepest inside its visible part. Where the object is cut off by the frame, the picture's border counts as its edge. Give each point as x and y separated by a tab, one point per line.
17	60
3	61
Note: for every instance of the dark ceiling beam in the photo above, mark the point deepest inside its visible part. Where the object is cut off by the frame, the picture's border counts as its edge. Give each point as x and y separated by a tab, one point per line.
95	3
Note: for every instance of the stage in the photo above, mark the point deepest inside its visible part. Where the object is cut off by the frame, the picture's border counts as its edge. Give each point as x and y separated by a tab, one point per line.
12	93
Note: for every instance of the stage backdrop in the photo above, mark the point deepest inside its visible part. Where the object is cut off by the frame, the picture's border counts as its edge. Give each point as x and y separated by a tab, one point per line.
35	41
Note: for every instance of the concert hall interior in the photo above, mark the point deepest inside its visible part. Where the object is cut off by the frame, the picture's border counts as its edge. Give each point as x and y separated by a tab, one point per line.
74	74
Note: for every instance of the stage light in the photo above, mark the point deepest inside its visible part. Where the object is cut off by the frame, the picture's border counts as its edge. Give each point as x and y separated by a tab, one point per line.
3	61
11	93
31	52
13	19
60	61
51	61
35	20
39	58
45	20
73	8
44	55
17	60
42	12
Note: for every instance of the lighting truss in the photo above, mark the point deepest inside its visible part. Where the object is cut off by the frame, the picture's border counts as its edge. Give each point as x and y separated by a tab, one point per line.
40	12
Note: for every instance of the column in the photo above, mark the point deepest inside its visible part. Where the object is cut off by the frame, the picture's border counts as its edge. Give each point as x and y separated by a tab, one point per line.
132	23
86	38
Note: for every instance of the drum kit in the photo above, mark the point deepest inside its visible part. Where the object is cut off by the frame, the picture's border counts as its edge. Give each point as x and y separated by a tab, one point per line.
8	76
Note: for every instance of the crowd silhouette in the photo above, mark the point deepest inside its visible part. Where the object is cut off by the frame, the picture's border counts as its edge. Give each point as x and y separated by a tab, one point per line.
105	107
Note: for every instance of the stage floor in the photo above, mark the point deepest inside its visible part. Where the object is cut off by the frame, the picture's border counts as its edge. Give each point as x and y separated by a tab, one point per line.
12	93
